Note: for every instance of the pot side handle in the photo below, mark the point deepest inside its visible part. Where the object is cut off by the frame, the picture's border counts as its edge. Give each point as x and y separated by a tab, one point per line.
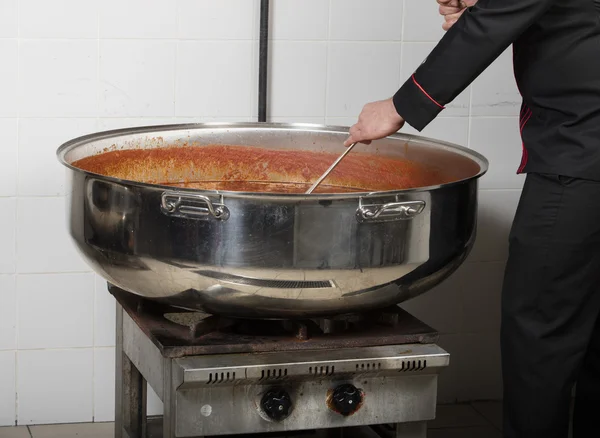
392	211
192	206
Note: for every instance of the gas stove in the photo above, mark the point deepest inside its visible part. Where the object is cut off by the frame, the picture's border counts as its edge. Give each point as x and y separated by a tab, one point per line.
373	374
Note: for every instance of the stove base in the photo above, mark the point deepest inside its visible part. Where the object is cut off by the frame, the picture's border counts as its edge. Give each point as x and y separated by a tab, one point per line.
155	430
309	393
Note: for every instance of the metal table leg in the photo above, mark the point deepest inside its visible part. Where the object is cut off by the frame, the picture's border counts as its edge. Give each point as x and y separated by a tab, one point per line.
168	402
130	391
119	388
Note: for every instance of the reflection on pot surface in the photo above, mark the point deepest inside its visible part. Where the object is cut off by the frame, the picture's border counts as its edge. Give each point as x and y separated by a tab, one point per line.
275	253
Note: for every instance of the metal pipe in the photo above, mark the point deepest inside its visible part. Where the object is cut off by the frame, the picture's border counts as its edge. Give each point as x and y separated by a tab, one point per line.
263	60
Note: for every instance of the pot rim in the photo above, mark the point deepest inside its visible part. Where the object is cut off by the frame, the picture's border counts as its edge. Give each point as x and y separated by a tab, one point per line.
82	140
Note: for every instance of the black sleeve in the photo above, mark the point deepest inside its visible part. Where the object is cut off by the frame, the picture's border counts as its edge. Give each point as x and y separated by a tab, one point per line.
480	35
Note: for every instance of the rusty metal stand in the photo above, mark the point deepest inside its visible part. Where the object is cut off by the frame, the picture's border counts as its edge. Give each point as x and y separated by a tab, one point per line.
130	392
131	386
143	360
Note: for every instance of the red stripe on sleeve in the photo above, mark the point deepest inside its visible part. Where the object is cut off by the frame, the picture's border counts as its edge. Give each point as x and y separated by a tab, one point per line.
427	94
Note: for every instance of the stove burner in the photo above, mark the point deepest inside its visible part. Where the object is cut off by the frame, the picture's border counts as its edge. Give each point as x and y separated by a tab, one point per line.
180	333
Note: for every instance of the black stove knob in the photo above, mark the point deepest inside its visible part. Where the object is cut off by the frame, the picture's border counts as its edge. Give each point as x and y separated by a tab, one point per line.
277	404
346	399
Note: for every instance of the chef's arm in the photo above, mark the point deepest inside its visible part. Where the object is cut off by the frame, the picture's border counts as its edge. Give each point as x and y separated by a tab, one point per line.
481	34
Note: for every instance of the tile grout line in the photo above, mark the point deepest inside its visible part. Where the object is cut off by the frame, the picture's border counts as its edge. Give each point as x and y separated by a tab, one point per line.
98	105
175	66
16	217
470	119
16	352
402	43
113	117
327	62
98	69
94	351
219	40
255	65
485	418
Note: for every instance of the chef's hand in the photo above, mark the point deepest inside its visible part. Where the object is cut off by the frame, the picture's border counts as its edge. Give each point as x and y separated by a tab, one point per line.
451	10
377	120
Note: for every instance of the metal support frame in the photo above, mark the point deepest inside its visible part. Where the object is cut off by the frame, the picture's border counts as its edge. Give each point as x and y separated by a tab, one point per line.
130	392
168	400
162	375
131	388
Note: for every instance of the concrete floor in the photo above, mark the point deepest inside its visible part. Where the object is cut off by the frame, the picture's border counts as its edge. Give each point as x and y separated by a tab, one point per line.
476	420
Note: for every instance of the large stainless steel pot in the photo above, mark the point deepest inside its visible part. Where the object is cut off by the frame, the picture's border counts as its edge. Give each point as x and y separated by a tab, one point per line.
265	255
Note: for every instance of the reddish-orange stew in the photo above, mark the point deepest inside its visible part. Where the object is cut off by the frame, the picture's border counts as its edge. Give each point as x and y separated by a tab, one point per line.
254	169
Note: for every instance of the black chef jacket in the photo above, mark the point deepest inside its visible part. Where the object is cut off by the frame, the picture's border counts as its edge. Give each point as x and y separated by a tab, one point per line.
556	51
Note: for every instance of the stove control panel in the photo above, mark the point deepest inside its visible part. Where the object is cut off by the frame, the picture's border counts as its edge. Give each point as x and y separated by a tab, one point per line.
345	399
276	404
238	394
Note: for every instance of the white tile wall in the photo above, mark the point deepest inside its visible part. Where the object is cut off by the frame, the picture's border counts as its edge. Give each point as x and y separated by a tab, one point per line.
422	22
482	284
452	129
299	78
222	86
105	312
44	19
495	92
451	383
104	384
8	209
8	394
9	140
137	78
481	371
71	67
474	371
43	241
55	386
106	124
55	311
498	139
359	20
8	313
200	19
8	76
300	20
8	18
40	174
350	85
496	211
442	307
297	119
58	78
155	406
135	19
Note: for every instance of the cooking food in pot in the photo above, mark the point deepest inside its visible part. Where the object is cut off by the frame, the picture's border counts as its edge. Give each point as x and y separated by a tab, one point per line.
392	221
257	169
